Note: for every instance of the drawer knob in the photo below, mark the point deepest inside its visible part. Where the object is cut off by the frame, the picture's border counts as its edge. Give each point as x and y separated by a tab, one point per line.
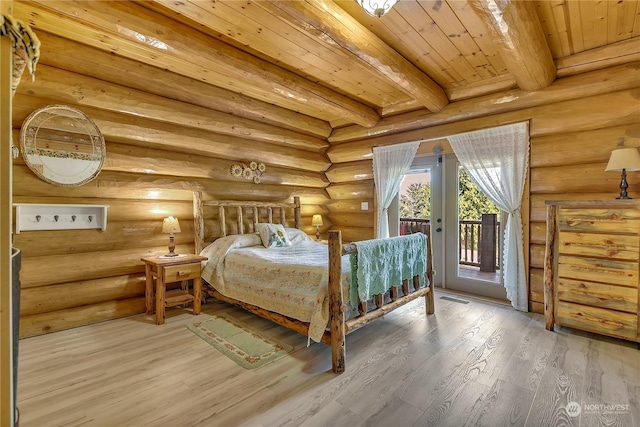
183	273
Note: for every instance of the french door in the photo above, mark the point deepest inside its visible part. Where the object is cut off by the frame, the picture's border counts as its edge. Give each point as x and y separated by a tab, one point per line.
462	233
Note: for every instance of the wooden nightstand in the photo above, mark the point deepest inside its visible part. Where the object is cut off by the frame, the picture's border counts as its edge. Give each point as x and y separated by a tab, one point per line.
169	270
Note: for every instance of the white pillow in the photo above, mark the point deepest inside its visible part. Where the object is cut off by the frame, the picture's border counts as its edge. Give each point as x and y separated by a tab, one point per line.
297	236
273	235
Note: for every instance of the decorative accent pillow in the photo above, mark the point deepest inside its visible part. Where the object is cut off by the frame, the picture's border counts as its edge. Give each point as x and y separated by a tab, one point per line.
273	235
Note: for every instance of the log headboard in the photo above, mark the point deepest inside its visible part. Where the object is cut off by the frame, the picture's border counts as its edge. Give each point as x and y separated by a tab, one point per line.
271	207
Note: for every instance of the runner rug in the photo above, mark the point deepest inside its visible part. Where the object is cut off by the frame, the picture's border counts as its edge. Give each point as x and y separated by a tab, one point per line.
238	341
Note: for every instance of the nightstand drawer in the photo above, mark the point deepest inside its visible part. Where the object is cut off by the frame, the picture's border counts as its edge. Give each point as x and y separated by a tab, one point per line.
176	273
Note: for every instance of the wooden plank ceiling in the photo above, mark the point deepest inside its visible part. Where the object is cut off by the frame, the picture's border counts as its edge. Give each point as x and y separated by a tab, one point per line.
325	64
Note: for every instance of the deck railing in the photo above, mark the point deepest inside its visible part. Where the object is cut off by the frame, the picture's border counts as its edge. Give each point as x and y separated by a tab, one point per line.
470	244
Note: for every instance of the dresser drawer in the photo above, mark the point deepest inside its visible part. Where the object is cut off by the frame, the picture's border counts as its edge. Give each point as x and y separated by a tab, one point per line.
612	297
599	320
601	220
620	247
176	273
624	273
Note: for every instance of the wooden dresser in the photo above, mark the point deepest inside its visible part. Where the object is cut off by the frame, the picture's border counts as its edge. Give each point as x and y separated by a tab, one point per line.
591	266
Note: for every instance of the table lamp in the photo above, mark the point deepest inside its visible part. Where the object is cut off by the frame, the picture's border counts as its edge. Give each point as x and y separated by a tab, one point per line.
316	221
171	225
624	159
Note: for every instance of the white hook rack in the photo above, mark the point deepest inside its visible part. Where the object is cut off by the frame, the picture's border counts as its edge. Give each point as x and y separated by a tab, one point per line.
59	217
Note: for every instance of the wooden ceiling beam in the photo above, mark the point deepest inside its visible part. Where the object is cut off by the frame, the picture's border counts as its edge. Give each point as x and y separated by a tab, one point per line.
325	20
523	47
135	32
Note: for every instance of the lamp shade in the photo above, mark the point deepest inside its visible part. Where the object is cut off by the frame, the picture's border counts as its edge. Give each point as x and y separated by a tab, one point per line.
376	7
624	158
316	221
170	225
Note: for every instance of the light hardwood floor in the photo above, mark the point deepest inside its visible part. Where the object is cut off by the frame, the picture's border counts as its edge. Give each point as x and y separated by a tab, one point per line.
469	364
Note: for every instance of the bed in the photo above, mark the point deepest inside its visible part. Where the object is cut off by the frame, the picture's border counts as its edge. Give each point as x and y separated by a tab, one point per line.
324	294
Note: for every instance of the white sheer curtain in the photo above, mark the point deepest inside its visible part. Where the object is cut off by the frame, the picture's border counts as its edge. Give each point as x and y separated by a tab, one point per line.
390	164
496	160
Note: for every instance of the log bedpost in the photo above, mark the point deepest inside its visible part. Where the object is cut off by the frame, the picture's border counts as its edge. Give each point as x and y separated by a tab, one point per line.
198	221
549	268
336	311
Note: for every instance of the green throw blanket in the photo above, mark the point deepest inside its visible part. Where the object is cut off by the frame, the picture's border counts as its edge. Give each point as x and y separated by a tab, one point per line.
382	263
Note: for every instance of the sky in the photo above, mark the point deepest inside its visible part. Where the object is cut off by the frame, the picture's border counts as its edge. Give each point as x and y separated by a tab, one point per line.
414	178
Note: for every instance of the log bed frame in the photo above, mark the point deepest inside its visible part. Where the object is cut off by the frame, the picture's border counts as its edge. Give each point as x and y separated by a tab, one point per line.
338	327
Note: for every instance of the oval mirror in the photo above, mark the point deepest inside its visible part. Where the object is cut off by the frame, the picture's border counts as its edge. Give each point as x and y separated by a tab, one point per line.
62	146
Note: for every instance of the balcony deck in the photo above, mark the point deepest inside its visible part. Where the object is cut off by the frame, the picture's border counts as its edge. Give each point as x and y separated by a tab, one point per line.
474	273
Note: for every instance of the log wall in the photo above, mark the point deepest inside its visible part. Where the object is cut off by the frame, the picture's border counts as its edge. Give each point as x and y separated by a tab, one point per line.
164	143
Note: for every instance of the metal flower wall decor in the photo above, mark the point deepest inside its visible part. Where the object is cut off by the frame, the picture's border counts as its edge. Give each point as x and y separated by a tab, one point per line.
253	171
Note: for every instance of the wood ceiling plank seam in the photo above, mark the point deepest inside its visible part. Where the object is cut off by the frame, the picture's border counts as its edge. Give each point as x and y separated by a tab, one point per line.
626	15
396	32
421	22
478	31
575	24
329	22
612	22
595	20
446	19
327	59
61	53
278	85
293	47
550	27
562	26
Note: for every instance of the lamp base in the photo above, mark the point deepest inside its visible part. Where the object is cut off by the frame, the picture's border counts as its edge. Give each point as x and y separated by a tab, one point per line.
172	246
623	186
317	233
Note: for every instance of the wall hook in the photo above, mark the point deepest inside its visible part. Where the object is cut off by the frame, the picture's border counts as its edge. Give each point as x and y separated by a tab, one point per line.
38	218
73	218
55	218
90	218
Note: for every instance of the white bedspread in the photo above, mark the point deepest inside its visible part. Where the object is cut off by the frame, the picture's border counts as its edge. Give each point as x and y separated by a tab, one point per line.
290	280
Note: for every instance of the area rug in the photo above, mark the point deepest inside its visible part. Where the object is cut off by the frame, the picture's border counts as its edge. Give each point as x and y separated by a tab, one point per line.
238	341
